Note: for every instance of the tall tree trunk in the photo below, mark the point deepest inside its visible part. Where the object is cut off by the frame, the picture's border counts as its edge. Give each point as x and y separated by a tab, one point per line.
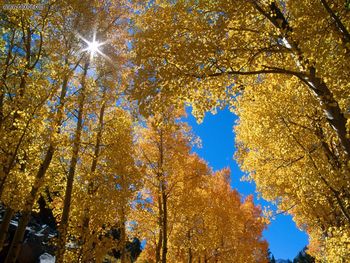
160	235
123	252
63	229
91	190
164	225
84	253
163	196
160	251
24	220
125	256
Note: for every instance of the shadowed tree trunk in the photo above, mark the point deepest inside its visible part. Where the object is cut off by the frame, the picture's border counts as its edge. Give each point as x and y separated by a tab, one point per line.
164	225
123	252
190	256
9	212
160	235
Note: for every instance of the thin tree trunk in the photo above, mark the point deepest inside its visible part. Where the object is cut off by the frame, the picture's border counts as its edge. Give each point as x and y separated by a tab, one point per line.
11	156
160	235
189	248
14	250
16	242
84	252
164	225
338	23
123	254
190	255
160	251
4	77
6	169
164	207
70	178
5	225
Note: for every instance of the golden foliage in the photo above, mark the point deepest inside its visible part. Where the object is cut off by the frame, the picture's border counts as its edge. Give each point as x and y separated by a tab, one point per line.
194	209
283	68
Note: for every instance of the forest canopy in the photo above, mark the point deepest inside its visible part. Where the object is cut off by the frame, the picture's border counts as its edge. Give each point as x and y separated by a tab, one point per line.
92	141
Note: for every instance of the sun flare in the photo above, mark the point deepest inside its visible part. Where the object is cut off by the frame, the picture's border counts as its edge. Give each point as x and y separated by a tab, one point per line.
93	47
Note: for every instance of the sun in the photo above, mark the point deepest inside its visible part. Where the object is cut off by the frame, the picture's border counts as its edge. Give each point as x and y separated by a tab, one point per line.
93	47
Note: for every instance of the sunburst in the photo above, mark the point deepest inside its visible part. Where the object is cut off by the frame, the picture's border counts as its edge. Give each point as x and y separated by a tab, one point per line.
93	47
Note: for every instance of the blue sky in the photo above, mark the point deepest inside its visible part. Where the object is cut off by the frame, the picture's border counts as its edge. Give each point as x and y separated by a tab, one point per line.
216	133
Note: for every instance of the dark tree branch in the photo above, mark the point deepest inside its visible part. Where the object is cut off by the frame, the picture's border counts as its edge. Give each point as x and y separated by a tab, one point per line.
340	26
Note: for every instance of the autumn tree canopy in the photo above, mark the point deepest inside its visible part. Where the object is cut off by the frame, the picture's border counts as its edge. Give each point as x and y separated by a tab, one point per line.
282	67
91	97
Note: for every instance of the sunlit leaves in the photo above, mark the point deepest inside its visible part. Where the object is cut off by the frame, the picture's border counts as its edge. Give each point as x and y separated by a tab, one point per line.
288	63
205	218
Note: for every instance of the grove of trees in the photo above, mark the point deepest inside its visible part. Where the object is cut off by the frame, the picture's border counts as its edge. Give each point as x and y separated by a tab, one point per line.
72	140
91	100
